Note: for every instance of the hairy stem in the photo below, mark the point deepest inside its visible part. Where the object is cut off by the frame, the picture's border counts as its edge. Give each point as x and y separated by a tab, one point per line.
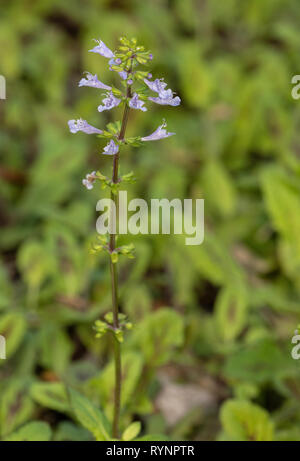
114	284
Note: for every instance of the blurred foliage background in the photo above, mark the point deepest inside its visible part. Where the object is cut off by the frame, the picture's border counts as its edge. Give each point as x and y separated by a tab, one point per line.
210	355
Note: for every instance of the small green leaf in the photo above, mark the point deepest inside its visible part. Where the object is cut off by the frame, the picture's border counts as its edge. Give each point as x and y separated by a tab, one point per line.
101	385
116	92
114	257
158	335
16	406
258	363
119	335
222	198
67	431
231	311
132	431
31	432
101	328
50	395
281	200
56	348
89	416
13	328
114	127
101	176
35	263
245	421
134	141
127	250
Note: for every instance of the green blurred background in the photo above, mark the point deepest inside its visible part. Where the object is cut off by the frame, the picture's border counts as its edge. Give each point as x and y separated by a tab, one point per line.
210	355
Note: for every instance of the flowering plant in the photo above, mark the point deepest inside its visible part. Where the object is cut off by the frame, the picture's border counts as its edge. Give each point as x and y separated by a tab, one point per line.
137	91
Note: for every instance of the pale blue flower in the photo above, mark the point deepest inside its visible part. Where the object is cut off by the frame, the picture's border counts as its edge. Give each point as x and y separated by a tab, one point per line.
102	49
159	133
111	148
92	80
136	103
123	74
109	102
116	62
82	125
166	99
158	85
89	180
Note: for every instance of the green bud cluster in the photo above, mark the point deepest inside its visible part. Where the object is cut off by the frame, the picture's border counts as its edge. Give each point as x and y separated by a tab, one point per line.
102	244
107	325
131	55
126	250
114	187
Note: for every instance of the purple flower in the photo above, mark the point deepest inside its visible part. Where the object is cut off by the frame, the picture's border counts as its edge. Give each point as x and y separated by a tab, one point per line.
159	133
158	85
130	82
123	74
150	56
102	49
136	103
92	80
89	180
113	62
116	62
111	148
82	125
166	98
109	102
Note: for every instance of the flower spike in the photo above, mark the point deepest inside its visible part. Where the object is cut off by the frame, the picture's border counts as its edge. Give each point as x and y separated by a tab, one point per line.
132	94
